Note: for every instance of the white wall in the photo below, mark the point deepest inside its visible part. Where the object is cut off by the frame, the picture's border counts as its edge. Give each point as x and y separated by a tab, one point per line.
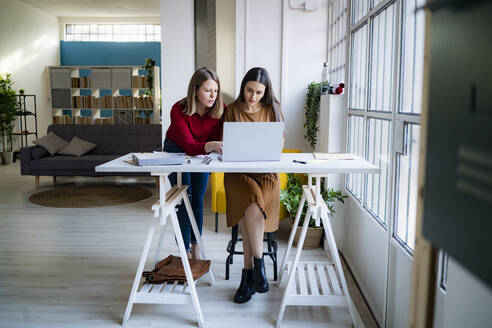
177	53
29	42
365	248
291	44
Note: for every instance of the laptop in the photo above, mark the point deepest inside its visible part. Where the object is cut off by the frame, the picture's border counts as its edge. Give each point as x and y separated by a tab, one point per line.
252	141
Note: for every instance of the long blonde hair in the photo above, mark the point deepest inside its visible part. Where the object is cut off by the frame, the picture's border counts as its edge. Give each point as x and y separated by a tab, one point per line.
190	103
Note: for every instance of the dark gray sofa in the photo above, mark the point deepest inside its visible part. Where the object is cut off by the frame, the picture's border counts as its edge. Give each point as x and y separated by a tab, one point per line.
112	142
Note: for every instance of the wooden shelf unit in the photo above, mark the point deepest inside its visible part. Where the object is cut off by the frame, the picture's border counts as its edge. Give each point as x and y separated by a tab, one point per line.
103	95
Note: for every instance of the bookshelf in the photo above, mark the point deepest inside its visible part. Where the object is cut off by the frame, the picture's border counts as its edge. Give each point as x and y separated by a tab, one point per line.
103	95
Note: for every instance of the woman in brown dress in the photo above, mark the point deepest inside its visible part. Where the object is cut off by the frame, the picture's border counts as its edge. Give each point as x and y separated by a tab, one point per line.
253	199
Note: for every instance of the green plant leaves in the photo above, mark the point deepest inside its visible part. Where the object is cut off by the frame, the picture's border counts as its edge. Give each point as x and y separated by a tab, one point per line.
312	113
8	109
291	197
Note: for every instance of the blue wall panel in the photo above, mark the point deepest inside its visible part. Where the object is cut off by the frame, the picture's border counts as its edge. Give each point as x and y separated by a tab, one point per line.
108	53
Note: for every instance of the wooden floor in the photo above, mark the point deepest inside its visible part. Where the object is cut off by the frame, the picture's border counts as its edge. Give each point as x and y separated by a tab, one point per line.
75	267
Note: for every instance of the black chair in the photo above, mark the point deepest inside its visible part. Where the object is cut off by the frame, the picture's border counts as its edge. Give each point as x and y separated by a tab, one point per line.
272	250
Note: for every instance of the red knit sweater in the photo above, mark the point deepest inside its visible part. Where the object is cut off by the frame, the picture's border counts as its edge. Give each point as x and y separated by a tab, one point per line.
191	133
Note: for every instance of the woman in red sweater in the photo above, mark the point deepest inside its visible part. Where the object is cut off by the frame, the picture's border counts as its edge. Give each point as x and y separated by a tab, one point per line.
195	129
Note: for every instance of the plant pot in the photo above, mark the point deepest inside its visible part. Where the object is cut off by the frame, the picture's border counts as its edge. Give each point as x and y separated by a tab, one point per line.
313	237
7	157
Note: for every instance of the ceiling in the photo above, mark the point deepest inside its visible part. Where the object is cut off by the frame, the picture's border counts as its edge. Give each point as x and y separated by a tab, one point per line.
98	8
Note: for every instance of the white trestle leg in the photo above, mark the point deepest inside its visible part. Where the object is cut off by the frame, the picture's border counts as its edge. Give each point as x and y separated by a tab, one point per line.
168	293
303	288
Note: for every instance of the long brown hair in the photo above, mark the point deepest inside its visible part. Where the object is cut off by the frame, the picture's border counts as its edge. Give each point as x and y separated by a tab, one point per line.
259	74
201	75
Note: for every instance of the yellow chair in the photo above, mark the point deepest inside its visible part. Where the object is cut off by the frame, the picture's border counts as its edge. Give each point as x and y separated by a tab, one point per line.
219	197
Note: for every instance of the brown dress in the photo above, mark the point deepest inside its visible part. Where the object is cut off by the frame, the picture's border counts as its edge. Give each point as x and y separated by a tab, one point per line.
242	189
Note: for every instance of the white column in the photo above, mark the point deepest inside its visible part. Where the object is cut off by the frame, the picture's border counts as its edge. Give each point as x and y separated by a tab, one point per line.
177	52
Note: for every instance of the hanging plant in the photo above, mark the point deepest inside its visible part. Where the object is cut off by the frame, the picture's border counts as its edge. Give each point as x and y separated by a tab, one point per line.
312	113
149	66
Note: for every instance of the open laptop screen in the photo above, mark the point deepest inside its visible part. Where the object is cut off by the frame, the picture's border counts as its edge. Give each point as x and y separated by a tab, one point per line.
252	141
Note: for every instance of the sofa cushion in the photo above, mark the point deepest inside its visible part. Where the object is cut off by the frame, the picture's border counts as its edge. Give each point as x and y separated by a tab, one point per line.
114	139
38	152
70	163
51	142
77	147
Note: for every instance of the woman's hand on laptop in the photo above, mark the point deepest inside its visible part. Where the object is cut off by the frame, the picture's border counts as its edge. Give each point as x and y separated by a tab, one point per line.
213	146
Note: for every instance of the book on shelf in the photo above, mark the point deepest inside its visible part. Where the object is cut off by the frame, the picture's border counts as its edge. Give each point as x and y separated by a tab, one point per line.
123	102
65	119
138	81
103	121
81	82
142	121
82	101
144	102
159	158
83	120
75	82
85	82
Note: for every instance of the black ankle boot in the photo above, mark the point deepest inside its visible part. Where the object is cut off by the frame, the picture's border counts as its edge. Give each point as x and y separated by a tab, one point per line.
246	288
261	282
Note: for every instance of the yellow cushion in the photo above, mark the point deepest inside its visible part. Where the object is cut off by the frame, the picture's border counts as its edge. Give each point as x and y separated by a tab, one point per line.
218	191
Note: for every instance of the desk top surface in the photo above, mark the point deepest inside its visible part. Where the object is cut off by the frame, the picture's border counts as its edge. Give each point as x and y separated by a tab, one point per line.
285	165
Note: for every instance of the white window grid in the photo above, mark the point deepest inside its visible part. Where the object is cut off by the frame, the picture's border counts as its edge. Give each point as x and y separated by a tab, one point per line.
412	70
378	152
358	69
409	108
379	94
406	191
355	145
113	32
337	45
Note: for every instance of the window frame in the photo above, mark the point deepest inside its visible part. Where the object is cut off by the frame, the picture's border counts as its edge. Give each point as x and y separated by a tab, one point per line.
395	115
114	34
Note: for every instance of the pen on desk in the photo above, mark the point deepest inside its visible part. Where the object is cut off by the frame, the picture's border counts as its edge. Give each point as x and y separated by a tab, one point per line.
300	162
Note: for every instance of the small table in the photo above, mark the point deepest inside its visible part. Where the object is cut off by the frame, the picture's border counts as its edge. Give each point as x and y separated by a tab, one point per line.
169	197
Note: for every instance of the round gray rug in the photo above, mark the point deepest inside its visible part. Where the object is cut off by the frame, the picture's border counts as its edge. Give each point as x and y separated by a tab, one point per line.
89	196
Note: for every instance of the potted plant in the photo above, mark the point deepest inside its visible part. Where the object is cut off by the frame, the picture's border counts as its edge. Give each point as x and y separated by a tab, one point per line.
21	91
8	109
291	197
312	113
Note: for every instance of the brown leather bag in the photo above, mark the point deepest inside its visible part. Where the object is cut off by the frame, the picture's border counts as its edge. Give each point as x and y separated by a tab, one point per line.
171	269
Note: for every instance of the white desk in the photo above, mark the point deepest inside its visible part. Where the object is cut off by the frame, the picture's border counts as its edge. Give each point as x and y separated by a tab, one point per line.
325	295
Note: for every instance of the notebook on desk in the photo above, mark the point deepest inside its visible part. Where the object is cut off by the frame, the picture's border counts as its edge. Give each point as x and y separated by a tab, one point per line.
158	158
252	141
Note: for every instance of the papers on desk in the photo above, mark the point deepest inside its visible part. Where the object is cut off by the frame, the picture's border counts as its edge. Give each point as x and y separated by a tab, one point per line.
158	158
334	156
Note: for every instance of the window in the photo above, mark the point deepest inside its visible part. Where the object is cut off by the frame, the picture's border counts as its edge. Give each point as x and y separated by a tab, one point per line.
382	60
412	68
358	69
409	108
407	174
385	96
355	146
113	32
337	46
378	153
359	9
